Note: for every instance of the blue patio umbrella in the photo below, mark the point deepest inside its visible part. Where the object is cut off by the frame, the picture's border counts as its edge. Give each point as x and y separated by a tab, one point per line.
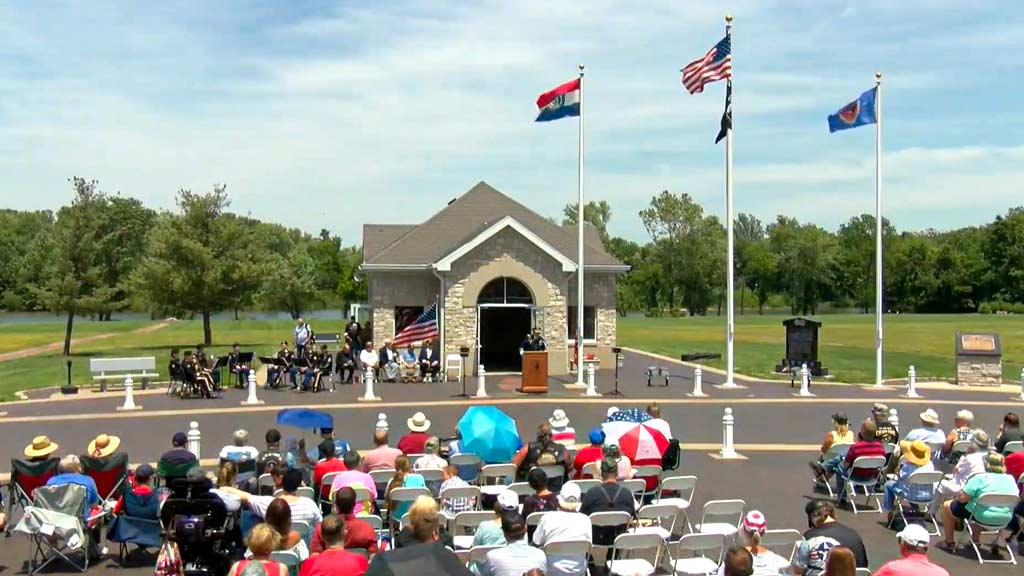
489	433
305	419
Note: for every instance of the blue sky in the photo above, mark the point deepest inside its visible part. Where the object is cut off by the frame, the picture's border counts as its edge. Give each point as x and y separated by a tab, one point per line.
332	115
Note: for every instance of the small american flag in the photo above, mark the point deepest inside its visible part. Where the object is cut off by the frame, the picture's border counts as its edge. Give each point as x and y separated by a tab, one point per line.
713	66
424	327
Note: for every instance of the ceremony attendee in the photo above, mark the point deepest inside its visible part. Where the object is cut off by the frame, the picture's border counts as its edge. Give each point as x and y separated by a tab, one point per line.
969	464
303	337
389	359
354	332
328	465
358	533
382	457
273	453
588	454
416	439
302	508
103	446
840	562
825	533
205	365
239	450
196	375
544	451
279	517
430	361
866	445
566	523
533	342
452	506
737	561
140	485
334	560
238	368
226	476
346	364
613	452
275	372
929	431
369	358
70	472
965	505
885	432
561	432
1009	431
178	457
609	496
914	541
354	477
960	432
41	448
914	457
262	541
431	459
542	500
409	363
764	560
174	367
839	435
422	542
323	367
404	478
516	557
489	532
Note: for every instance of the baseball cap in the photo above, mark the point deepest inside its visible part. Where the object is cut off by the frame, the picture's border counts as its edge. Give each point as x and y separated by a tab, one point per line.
240	435
569	494
597	436
179	439
755	521
144	472
508	500
915	535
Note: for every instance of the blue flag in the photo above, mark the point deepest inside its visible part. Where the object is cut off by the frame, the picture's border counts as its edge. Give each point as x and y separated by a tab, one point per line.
857	113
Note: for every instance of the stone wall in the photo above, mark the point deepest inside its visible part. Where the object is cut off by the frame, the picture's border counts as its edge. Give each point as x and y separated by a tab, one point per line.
599	291
979	372
388	290
383	325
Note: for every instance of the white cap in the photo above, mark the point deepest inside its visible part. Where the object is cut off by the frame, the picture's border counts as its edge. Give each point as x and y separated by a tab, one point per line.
570	493
508	500
915	535
611	411
382	421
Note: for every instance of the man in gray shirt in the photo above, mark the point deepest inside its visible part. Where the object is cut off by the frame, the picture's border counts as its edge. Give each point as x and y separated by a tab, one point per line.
515	558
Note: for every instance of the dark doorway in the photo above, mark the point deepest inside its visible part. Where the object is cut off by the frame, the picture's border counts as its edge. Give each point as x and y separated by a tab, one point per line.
501	331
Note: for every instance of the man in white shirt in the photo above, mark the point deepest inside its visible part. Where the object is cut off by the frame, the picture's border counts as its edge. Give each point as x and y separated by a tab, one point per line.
239	450
517	557
368	357
567	523
969	464
929	431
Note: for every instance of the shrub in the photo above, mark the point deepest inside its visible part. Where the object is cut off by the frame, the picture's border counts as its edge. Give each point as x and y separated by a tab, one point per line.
985	308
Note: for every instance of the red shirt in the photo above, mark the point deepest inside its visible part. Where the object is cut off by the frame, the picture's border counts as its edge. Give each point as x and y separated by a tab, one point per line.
324	468
358	534
586	456
1015	465
412	443
334	562
911	565
859	449
142	490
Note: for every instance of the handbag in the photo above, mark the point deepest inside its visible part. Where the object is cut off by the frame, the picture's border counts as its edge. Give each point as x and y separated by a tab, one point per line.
168	561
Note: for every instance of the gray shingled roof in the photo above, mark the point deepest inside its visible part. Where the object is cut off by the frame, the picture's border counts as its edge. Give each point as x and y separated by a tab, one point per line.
463	219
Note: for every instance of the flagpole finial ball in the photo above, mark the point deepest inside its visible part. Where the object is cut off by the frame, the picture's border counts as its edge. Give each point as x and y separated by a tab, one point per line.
728	18
878	75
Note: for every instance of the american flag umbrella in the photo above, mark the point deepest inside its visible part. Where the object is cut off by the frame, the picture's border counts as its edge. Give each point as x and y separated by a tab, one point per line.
629	415
640	442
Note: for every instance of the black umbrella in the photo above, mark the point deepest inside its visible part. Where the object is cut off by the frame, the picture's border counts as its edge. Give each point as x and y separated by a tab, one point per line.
419	560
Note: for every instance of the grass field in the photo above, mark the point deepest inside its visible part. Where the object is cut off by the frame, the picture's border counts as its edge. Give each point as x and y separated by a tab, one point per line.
846	346
846	342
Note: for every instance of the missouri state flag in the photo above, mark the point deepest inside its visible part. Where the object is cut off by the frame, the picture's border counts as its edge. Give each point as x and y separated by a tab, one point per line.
560	102
857	113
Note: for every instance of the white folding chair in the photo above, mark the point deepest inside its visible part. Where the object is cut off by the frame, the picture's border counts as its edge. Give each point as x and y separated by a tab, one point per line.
522	489
661	520
382	478
961	447
1011	447
492	474
591	470
534	518
433	479
289	558
782	541
561	549
722	517
862	572
399	495
627	545
265	484
413	458
466	494
682	487
990	500
870	467
699	554
637	487
915	483
468	465
553	471
464	527
304	529
363	496
478	554
834	451
306	492
610	519
453	362
326	482
645	471
586	484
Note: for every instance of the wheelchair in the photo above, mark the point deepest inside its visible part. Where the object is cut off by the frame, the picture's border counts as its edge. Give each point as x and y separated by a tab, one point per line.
196	520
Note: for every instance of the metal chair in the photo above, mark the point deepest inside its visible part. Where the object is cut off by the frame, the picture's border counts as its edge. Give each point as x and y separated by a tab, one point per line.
265	485
910	496
617	519
433	479
467	494
991	500
468	465
683	487
496	474
569	548
306	492
464	527
834	451
289	558
478	554
522	489
782	541
699	554
586	484
866	480
1011	447
721	517
662	518
626	545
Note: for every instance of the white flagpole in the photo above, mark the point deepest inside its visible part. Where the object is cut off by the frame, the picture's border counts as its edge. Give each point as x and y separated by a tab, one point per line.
729	304
878	229
579	252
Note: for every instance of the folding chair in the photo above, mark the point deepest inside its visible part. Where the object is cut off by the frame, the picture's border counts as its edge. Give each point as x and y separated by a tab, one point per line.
470	494
464	527
604	521
626	545
478	554
109	474
306	492
265	485
413	458
918	483
1011	447
304	529
170	472
364	499
382	478
586	484
400	495
534	519
834	451
990	500
862	572
289	558
636	486
139	524
324	494
661	519
522	489
650	474
703	554
561	549
782	541
722	517
26	476
682	487
492	474
468	465
866	480
433	479
591	470
55	522
377	523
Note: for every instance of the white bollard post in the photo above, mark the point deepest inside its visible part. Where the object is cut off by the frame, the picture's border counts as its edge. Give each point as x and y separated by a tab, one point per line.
194	437
382	422
252	400
591	385
368	396
129	396
698	383
481	383
728	447
894	418
805	381
912	383
1022	383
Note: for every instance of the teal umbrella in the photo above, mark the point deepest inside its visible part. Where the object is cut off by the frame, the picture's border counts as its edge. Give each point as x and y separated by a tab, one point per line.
489	433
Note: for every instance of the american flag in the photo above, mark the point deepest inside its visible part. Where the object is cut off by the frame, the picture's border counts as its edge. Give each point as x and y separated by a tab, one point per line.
713	66
424	327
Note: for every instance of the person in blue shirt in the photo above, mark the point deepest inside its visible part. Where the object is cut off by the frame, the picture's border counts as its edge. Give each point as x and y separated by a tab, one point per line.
71	473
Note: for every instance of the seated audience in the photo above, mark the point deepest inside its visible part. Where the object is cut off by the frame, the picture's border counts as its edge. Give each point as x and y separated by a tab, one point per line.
368	358
866	445
70	472
334	560
40	449
489	533
262	541
103	447
1009	431
839	435
764	561
226	475
358	533
588	454
654	411
139	483
273	453
416	439
961	431
329	465
561	432
625	467
914	541
403	478
452	506
517	556
302	508
566	523
430	361
915	456
929	431
431	459
423	511
885	431
177	457
424	542
970	464
279	517
840	562
389	366
353	477
543	499
410	364
346	364
737	561
824	534
609	496
382	457
239	449
1015	464
994	480
544	451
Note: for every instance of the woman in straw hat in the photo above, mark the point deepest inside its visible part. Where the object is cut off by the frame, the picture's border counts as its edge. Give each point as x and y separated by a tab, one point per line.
915	456
41	448
103	446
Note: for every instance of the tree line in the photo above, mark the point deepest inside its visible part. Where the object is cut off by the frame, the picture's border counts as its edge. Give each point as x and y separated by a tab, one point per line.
107	253
802	266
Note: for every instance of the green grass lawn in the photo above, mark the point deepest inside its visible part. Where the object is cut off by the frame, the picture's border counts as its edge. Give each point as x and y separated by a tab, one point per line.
846	342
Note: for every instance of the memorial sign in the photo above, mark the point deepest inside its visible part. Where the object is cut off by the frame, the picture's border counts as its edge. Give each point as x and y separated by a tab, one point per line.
801	346
979	359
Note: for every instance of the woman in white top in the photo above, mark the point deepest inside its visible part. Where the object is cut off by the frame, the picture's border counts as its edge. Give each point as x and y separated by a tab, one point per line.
766	562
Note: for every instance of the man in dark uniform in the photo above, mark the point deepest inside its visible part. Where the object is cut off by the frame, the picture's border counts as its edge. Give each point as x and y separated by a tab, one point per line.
533	342
273	371
321	364
236	367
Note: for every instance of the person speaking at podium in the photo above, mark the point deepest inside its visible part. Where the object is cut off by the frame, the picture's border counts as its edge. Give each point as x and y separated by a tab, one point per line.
533	342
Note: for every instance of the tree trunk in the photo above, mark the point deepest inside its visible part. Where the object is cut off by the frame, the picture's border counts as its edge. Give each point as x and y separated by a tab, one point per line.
742	292
236	314
207	334
67	333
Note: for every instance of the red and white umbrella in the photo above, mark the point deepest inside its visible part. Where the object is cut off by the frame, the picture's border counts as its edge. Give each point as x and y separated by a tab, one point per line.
642	443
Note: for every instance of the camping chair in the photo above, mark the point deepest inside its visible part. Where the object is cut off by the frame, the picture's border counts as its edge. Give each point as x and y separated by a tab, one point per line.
464	527
910	496
170	472
139	524
108	473
866	480
492	474
26	476
468	465
783	542
990	500
722	517
625	545
682	487
704	554
57	526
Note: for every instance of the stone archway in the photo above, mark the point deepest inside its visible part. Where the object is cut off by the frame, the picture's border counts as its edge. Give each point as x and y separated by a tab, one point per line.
505	267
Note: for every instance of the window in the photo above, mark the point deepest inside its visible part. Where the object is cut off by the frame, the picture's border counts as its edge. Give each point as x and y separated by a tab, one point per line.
505	291
589	323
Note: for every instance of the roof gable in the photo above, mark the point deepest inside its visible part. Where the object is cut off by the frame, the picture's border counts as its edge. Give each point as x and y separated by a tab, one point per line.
445	264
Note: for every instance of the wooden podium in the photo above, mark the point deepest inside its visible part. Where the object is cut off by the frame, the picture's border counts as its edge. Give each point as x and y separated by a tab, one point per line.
535	373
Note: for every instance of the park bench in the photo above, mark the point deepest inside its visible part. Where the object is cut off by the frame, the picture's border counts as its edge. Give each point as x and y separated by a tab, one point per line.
117	369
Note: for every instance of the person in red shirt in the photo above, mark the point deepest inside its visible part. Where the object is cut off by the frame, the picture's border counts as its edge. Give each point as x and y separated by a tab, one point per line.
867	445
1015	465
358	533
334	560
914	555
414	441
326	466
592	453
140	486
